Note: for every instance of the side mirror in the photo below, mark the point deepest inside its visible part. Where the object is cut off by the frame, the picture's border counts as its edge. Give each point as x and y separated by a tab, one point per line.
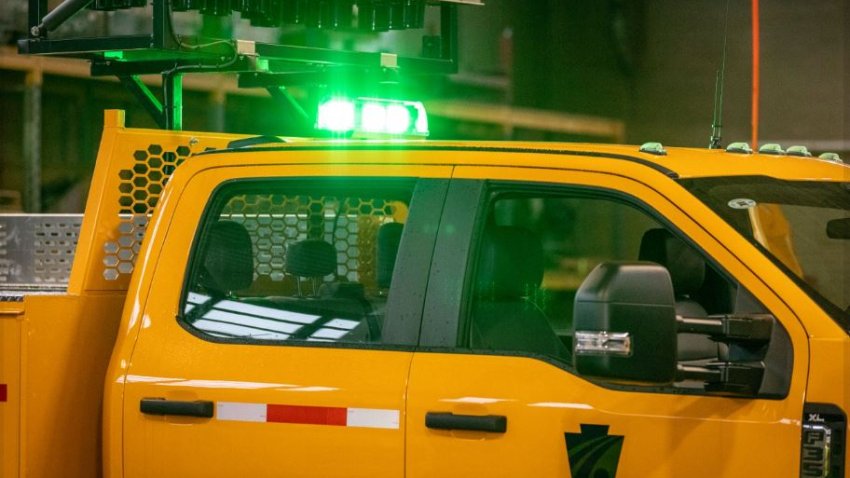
624	324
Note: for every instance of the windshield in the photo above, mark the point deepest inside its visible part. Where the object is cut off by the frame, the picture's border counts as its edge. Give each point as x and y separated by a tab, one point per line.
804	226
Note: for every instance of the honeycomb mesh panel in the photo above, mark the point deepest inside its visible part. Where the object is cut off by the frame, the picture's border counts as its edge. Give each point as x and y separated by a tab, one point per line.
275	221
140	187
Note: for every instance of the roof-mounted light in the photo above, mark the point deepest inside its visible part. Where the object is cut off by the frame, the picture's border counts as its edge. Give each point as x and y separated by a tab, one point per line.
372	117
771	148
798	150
831	157
740	148
653	148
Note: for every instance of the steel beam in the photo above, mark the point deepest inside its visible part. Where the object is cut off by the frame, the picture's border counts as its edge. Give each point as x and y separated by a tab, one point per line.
146	97
172	105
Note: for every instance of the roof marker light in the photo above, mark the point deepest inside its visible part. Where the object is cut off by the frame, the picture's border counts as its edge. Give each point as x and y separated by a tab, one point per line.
653	148
743	148
771	148
831	157
373	117
801	151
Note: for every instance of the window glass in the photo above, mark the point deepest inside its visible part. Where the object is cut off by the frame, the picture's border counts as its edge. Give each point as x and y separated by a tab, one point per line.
536	251
802	225
289	261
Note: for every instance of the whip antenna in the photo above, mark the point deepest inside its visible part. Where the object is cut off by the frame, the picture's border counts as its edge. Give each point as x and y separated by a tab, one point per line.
716	123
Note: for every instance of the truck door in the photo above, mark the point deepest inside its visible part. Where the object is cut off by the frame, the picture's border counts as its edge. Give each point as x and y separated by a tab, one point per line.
494	392
275	339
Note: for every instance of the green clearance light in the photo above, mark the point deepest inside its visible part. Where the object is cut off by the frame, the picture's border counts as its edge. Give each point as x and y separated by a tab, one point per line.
373	118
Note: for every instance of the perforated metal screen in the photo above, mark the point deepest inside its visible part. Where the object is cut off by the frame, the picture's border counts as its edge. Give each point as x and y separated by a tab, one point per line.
36	251
140	188
350	224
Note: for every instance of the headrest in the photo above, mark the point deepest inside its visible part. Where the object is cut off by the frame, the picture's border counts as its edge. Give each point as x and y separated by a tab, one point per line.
311	258
686	265
510	263
228	259
388	240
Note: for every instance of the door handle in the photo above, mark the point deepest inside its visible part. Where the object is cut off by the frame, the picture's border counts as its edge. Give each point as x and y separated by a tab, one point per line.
161	406
479	423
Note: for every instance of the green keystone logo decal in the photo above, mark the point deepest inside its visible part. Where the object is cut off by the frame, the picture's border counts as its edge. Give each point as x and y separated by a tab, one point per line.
593	453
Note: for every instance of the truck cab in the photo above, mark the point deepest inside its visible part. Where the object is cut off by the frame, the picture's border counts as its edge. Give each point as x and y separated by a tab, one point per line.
413	309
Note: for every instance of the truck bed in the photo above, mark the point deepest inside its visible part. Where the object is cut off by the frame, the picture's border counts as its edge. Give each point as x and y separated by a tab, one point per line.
54	350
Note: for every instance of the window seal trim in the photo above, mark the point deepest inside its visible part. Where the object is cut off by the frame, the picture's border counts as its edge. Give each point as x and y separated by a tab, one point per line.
418	147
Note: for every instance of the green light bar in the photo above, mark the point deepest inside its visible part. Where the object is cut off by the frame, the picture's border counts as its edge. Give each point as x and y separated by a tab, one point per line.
373	117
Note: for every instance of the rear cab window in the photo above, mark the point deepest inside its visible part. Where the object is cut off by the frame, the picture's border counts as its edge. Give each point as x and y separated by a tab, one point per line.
296	261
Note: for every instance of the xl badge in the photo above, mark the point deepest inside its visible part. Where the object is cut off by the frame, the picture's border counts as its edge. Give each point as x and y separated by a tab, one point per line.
593	453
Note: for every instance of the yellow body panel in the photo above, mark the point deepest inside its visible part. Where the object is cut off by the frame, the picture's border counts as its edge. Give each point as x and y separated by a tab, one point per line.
11	315
665	435
66	347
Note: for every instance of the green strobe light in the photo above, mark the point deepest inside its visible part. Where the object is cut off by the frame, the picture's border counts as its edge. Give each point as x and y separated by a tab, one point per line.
373	118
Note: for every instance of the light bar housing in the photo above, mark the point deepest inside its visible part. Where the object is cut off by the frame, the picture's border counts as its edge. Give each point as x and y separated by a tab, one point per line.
372	118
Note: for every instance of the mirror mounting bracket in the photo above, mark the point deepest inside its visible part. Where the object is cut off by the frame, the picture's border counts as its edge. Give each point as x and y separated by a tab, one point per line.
725	377
748	328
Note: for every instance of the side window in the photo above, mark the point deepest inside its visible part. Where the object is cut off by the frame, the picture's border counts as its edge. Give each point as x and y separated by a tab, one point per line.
534	252
533	255
296	261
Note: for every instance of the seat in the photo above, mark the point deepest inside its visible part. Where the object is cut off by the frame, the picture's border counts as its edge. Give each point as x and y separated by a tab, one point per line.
687	271
311	259
315	259
509	272
227	262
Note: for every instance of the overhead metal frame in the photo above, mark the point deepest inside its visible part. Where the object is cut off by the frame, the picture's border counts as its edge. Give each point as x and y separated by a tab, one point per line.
265	65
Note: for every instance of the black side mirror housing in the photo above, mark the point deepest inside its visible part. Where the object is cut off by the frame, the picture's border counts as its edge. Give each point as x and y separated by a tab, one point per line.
624	324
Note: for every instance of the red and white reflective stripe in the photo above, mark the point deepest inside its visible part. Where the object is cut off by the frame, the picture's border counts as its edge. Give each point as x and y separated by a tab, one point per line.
299	414
3	392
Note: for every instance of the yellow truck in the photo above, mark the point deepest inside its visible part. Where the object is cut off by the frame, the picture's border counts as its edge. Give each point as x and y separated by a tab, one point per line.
281	307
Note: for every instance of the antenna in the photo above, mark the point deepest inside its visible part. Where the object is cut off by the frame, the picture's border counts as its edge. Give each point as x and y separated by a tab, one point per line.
716	126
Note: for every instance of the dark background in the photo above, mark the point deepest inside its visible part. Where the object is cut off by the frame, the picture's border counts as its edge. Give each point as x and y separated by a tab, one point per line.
649	64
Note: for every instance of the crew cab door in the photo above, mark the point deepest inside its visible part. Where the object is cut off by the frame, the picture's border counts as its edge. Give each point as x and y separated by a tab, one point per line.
493	390
275	339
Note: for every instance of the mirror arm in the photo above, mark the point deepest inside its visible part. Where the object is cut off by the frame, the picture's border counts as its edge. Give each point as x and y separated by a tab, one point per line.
701	374
724	377
729	328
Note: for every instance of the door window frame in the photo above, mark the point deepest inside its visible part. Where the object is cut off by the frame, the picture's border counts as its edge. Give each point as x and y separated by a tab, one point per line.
448	307
411	269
